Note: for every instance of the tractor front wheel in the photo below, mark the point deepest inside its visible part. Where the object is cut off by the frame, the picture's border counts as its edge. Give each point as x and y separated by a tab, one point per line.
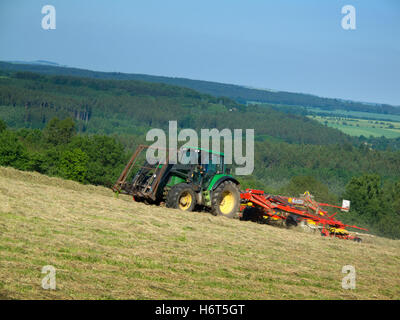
225	200
181	196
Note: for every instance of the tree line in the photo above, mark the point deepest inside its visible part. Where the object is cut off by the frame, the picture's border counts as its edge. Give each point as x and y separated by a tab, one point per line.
58	151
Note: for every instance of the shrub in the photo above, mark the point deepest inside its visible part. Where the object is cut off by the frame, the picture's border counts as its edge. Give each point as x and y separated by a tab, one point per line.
73	165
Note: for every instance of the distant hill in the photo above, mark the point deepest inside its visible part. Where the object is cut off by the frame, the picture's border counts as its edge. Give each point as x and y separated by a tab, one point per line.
240	94
36	62
129	106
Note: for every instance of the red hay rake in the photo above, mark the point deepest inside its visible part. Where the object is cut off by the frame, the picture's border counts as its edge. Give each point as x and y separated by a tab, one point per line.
259	206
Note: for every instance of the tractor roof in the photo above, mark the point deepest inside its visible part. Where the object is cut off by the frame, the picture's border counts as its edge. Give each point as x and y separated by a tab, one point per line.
209	151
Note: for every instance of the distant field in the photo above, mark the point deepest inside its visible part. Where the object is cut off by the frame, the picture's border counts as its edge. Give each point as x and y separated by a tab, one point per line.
358	127
354	123
358	114
113	248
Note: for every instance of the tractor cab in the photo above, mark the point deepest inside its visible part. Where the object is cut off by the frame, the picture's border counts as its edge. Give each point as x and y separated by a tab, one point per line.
209	161
206	164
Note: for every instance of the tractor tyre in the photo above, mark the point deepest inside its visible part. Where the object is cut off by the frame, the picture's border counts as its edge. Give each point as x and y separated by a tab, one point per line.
291	220
181	196
225	200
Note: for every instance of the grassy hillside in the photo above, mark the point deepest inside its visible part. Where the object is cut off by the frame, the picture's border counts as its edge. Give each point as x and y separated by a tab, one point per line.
113	248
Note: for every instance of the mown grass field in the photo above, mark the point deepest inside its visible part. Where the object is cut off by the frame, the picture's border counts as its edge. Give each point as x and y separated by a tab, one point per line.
356	114
113	248
365	127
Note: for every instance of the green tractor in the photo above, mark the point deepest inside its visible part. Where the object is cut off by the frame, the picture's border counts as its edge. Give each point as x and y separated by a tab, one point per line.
203	182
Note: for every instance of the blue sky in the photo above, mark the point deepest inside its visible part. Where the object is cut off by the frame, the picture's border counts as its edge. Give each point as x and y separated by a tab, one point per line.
288	45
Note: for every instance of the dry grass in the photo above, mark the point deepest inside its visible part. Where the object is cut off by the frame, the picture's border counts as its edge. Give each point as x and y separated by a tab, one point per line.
113	248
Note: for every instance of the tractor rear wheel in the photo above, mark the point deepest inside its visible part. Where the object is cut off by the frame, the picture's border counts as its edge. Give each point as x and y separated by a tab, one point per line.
292	220
181	196
225	200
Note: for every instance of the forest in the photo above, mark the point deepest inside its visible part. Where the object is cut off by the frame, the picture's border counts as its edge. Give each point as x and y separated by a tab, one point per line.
131	107
238	93
85	129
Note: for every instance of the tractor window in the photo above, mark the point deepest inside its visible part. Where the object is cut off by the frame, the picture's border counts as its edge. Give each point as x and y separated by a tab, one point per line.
189	156
210	168
216	163
211	162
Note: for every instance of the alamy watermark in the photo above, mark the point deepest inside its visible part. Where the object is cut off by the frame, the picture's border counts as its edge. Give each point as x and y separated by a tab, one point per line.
349	281
49	280
233	146
349	20
49	20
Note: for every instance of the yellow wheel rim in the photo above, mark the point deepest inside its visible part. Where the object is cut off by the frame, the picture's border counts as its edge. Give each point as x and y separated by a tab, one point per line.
227	203
185	201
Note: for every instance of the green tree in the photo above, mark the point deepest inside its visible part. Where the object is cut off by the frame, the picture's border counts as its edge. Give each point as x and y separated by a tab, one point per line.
396	198
12	152
106	158
365	194
374	204
59	132
73	165
3	126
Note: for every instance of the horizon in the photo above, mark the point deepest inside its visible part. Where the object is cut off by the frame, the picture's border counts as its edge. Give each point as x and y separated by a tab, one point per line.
56	64
286	47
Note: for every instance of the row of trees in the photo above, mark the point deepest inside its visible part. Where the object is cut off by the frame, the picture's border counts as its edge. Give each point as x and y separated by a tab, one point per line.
275	162
334	165
58	151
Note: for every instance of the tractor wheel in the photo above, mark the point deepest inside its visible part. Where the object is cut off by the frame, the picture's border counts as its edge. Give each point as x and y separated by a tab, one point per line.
225	200
291	220
181	196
